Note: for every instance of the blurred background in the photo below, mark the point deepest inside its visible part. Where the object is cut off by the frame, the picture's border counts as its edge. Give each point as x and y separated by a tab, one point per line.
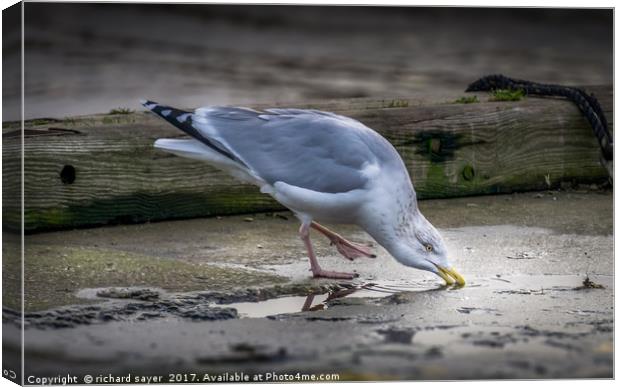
90	58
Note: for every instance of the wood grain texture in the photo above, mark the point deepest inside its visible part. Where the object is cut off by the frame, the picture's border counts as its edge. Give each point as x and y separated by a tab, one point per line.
450	149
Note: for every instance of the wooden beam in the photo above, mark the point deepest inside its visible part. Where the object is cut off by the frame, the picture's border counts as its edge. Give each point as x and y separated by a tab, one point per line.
103	169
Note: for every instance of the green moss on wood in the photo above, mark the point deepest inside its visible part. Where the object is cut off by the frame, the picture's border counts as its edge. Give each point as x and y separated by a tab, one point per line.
507	95
29	123
468	172
121	110
435	183
435	145
466	100
144	207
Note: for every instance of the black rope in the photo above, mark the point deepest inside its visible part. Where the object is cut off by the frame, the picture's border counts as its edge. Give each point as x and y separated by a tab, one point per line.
587	103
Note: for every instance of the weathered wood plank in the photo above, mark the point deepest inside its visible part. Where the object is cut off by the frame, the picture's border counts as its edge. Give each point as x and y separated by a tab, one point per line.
103	169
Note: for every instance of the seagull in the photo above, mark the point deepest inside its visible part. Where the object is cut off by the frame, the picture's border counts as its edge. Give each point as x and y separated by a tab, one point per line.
323	167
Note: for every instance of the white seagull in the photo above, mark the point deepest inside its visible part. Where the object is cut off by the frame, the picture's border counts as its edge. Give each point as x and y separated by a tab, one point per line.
323	167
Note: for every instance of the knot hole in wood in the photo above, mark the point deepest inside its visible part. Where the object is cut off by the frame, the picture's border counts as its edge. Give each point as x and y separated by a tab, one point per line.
67	174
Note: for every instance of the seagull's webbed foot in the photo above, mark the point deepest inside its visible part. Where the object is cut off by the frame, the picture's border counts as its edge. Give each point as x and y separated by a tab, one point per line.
320	273
349	250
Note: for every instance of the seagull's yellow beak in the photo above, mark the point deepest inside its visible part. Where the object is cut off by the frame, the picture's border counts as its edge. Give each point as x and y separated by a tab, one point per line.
451	276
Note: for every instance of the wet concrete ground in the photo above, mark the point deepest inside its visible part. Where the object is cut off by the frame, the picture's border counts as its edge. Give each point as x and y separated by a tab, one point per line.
234	294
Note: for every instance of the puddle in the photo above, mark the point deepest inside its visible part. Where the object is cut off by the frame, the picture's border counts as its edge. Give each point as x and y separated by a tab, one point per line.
314	302
141	303
280	305
523	285
151	302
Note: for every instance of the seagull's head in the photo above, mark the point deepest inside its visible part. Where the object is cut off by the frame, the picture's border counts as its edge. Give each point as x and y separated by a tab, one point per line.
422	247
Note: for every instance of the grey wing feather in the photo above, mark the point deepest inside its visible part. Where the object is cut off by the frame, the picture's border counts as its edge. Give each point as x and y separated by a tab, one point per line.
309	149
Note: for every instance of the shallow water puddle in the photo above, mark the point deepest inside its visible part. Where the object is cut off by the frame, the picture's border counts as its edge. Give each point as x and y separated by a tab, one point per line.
250	309
279	306
154	302
314	302
520	285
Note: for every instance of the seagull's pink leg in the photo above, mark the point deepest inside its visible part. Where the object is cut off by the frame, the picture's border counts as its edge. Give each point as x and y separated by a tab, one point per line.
317	272
348	249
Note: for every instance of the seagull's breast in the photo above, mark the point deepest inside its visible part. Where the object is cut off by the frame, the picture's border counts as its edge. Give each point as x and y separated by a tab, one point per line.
390	197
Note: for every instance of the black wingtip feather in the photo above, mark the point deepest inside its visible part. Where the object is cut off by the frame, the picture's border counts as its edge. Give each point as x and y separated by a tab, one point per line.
183	120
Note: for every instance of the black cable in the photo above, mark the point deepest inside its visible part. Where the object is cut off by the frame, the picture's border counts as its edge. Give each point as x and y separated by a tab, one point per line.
587	103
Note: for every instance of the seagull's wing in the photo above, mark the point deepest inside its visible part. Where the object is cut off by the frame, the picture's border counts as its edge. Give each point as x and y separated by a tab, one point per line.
310	149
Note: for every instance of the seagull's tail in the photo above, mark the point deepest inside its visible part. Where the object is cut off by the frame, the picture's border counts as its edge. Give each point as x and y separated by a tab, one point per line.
189	148
183	120
180	118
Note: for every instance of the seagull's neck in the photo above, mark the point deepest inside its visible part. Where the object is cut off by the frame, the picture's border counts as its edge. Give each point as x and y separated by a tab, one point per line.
395	219
390	233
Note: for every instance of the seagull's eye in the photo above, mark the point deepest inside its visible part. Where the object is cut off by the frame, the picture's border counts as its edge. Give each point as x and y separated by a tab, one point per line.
429	248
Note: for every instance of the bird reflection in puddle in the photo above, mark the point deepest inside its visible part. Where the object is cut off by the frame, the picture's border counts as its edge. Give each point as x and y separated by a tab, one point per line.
369	290
308	307
321	301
